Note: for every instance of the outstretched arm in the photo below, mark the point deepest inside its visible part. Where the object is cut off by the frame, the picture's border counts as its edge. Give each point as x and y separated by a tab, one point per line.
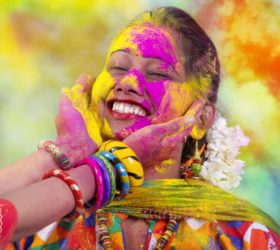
72	138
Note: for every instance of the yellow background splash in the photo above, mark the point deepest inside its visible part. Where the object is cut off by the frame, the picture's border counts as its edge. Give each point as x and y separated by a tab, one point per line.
45	45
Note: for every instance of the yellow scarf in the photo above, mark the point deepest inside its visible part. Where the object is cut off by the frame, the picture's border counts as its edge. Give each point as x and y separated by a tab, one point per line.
194	198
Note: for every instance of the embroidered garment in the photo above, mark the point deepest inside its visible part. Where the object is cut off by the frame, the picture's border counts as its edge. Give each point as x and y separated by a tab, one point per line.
221	220
191	233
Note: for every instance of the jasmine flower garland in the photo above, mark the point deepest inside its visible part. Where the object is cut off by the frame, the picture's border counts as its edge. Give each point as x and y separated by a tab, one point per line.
221	167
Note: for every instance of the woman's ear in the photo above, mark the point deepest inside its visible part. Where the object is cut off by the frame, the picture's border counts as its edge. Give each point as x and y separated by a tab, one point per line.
204	121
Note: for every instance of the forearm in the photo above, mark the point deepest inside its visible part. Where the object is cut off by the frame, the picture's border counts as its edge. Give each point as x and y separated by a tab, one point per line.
26	171
49	200
30	169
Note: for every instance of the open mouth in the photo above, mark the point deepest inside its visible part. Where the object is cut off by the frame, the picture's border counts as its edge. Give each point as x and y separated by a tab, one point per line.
127	107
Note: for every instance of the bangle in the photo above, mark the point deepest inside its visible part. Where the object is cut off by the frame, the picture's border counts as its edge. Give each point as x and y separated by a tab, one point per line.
58	154
98	198
111	176
8	222
125	184
72	184
106	179
128	158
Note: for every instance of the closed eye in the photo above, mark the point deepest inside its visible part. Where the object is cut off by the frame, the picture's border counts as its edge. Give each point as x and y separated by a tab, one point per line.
117	68
158	75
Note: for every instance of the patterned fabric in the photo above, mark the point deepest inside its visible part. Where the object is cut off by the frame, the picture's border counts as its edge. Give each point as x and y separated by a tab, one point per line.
191	233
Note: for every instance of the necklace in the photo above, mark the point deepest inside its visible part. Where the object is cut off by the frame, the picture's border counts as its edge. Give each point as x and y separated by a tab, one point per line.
105	239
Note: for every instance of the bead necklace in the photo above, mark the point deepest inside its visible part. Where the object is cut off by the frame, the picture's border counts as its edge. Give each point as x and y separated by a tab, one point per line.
105	239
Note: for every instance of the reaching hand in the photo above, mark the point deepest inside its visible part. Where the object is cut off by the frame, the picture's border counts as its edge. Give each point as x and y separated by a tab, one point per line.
75	121
161	144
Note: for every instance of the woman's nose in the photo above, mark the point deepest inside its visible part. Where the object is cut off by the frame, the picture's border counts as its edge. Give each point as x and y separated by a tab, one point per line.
132	82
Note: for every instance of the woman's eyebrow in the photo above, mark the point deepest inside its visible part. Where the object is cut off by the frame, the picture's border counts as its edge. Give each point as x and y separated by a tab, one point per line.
119	50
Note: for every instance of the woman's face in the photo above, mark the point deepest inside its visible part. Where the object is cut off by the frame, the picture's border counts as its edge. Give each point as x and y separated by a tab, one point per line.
143	82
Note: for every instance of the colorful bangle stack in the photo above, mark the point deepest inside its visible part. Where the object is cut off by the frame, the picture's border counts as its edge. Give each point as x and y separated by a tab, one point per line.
77	194
58	154
128	168
129	160
111	176
121	171
97	201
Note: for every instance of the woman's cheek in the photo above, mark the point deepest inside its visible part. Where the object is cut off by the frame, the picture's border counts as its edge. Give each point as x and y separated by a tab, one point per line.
102	86
174	103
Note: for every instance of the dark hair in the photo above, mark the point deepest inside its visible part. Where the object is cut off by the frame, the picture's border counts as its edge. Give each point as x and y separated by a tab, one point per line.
200	56
201	60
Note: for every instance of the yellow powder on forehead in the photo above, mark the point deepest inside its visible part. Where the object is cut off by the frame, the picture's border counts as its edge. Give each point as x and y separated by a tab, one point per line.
122	41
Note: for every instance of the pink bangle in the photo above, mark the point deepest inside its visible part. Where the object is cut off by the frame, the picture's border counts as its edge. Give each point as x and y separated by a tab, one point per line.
98	198
72	184
58	154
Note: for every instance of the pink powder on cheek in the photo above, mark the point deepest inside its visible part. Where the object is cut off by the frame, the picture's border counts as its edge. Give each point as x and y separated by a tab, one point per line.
139	123
152	42
156	91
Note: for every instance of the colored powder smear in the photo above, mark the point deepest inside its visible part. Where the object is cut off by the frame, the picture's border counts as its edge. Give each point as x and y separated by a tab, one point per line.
46	45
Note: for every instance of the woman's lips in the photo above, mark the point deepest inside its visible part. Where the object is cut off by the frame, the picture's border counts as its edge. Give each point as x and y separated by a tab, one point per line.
126	109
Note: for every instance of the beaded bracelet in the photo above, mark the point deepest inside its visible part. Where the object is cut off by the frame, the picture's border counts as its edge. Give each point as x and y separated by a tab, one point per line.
58	154
111	176
72	184
125	184
96	202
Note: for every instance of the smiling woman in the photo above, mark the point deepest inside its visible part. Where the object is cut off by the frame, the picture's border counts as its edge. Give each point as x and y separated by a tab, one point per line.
152	78
129	166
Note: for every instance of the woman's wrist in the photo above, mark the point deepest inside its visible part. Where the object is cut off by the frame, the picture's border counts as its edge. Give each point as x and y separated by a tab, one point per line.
76	151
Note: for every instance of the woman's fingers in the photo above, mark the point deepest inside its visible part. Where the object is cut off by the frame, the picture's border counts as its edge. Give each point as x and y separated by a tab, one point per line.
84	84
182	124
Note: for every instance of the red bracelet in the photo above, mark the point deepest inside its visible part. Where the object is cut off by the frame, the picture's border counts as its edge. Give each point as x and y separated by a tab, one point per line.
8	222
72	184
58	154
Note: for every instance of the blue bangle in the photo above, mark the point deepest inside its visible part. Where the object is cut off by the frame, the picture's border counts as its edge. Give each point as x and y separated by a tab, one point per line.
122	173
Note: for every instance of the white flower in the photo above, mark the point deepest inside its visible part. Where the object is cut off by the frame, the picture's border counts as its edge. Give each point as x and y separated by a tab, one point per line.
221	167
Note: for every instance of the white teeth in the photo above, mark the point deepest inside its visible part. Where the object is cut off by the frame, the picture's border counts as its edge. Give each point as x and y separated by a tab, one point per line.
126	108
121	108
114	106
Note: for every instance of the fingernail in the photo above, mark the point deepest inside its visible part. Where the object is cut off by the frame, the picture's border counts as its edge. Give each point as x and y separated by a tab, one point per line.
83	78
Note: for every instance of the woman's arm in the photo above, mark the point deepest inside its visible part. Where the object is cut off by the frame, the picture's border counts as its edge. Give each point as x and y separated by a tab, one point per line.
72	138
46	201
26	171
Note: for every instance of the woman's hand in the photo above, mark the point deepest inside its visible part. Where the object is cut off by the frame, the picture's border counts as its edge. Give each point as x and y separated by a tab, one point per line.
73	121
161	145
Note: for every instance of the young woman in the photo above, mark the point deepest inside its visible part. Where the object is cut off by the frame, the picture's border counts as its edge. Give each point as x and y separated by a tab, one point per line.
156	94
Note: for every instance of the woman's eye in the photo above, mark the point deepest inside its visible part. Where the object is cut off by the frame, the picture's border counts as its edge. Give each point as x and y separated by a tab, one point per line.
119	69
159	75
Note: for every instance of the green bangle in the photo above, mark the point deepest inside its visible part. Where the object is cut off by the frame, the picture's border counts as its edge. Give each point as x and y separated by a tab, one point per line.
111	175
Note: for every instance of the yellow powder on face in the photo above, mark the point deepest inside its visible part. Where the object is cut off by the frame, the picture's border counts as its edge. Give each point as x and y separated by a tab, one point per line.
101	88
100	91
122	41
164	166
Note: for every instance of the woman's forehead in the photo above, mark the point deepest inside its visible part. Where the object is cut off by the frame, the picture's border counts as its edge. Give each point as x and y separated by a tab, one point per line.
148	41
